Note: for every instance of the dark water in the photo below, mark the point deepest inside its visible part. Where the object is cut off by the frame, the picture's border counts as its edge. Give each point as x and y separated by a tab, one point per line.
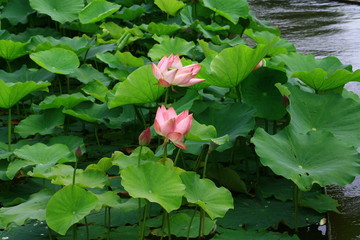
318	27
323	28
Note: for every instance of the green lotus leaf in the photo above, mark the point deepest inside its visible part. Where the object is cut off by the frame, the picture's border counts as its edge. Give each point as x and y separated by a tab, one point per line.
59	10
321	80
161	28
42	124
204	193
86	73
64	100
72	142
251	213
258	90
253	234
12	93
226	177
90	178
232	10
129	60
97	10
52	172
33	208
68	206
109	199
131	13
170	46
123	161
92	112
17	11
139	87
232	65
239	120
11	50
154	182
37	154
201	132
169	6
96	89
319	202
57	60
303	159
24	74
341	118
280	188
76	44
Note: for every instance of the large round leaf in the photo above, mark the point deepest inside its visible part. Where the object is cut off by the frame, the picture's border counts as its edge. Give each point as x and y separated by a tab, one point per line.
170	46
97	10
258	90
204	193
11	93
229	9
232	65
11	50
68	206
315	157
57	60
64	100
17	11
155	183
139	87
59	10
169	6
42	124
330	112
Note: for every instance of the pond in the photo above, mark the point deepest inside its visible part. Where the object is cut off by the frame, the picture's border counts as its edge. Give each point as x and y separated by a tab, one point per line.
323	28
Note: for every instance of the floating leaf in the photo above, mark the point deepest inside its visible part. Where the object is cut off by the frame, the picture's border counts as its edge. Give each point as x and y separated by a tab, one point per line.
304	160
155	183
139	87
330	112
68	206
253	234
12	93
11	50
170	46
229	9
97	10
204	193
49	59
170	6
42	124
59	10
34	208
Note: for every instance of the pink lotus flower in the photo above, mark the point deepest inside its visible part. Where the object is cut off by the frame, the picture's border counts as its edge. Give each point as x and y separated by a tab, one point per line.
170	72
260	64
172	126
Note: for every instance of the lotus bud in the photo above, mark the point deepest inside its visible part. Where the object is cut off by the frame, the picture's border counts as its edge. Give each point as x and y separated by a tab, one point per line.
285	101
78	152
145	137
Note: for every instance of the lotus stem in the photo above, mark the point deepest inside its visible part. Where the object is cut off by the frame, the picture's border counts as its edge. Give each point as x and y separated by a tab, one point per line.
190	224
140	116
204	150
205	164
74	236
108	222
202	223
146	212
49	233
9	131
87	229
96	135
166	97
274	127
296	207
168	224
177	156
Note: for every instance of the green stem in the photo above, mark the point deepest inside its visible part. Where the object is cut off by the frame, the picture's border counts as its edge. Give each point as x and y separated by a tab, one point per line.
274	127
146	212
190	224
74	174
9	131
166	96
168	224
203	151
74	235
202	223
109	223
87	229
68	85
233	149
205	165
177	156
238	94
296	207
49	233
139	158
165	148
97	135
9	66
